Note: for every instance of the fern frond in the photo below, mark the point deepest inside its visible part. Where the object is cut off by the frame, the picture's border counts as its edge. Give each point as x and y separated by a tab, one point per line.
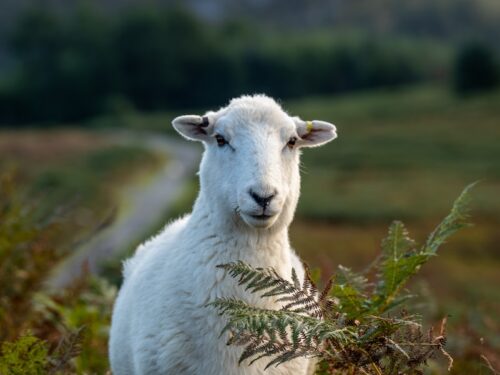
395	249
357	281
349	289
297	297
401	260
266	333
258	279
244	317
456	220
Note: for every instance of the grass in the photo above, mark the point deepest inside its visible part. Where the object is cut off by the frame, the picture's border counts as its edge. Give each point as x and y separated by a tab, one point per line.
33	151
400	154
403	154
94	178
70	167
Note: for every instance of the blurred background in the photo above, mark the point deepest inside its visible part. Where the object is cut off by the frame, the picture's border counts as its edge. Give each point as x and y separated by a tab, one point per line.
90	166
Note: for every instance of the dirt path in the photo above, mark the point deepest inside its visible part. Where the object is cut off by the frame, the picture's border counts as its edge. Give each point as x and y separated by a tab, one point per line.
142	206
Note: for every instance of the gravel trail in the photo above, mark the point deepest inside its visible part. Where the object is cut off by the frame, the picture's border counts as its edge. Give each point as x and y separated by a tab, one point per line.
142	205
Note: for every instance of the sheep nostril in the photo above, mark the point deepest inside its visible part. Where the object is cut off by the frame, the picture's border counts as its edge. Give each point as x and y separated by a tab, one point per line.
261	201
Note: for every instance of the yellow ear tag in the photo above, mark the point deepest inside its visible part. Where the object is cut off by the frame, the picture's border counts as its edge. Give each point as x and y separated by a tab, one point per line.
309	126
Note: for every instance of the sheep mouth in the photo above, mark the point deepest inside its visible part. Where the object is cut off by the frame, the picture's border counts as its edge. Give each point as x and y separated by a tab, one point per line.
263	220
262	217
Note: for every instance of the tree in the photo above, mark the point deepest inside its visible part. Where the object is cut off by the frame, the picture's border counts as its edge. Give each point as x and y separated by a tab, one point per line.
475	69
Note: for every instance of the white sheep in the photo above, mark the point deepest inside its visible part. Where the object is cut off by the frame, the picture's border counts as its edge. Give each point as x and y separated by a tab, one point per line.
250	182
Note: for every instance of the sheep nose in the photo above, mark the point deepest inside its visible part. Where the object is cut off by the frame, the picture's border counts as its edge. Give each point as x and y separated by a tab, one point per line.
260	200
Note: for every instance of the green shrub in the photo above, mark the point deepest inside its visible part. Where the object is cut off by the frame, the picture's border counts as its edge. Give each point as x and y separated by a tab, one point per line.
30	355
25	356
82	315
27	253
67	330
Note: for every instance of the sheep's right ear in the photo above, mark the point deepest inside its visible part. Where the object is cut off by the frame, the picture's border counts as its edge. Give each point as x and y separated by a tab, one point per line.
193	127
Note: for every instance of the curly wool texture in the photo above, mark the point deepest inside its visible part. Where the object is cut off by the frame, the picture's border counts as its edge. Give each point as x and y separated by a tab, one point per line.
161	324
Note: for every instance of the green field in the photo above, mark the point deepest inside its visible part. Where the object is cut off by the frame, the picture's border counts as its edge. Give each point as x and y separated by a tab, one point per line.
406	155
68	166
401	154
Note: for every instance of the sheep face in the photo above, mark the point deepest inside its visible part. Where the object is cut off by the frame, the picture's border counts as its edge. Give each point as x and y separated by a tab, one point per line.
250	169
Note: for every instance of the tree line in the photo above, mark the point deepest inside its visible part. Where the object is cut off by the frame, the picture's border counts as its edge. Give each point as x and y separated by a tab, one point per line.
72	67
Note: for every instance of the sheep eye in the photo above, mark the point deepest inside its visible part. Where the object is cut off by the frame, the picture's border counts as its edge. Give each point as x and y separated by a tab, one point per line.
220	140
291	142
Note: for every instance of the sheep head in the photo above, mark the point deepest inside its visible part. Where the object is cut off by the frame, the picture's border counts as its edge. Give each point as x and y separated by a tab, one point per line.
250	168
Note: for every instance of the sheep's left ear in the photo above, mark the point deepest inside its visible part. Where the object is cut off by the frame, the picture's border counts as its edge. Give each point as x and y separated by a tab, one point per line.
314	133
193	127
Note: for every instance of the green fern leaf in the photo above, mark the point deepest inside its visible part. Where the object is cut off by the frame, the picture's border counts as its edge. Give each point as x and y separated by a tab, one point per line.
349	289
456	219
400	259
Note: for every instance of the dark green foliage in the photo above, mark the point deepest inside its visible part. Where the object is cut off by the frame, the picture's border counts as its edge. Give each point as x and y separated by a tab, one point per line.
64	65
81	64
350	325
476	68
